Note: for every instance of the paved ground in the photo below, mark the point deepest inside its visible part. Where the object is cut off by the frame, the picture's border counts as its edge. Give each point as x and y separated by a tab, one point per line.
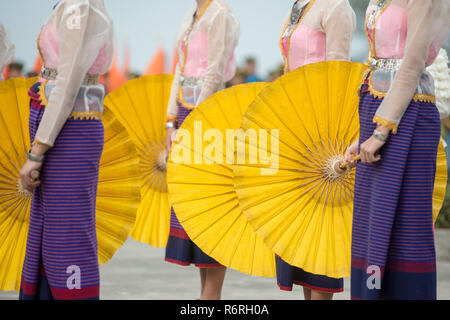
139	272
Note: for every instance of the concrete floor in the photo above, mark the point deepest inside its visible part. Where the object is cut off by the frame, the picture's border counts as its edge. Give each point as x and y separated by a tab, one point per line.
138	272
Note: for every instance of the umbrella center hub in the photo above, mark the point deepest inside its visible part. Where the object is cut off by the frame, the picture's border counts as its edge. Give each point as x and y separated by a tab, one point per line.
329	171
22	192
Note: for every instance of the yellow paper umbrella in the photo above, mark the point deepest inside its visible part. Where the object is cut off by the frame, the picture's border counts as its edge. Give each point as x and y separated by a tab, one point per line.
303	209
141	106
118	190
440	182
201	188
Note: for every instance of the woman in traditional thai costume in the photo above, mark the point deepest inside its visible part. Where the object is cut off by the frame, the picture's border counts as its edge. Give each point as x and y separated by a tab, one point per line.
393	251
67	133
210	33
316	31
7	50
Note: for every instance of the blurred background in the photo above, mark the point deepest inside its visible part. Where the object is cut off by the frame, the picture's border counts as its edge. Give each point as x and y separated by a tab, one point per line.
146	32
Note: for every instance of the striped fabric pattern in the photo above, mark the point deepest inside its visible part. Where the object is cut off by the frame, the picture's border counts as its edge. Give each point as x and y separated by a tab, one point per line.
288	276
393	252
62	243
180	248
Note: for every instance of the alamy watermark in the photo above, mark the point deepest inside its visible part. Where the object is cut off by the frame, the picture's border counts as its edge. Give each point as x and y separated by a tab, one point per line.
374	279
74	280
211	147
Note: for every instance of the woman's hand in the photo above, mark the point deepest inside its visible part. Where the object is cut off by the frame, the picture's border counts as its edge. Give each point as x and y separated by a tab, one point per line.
29	182
25	175
352	152
370	149
169	133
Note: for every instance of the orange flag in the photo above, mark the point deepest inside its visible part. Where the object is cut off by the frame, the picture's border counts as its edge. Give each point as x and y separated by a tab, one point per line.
116	77
6	73
37	66
157	64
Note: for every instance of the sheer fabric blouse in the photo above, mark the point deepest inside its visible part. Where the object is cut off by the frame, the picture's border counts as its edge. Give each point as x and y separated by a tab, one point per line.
7	50
323	31
76	40
206	55
412	31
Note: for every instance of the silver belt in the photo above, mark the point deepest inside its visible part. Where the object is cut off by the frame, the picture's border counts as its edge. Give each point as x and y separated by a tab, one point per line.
385	64
51	74
191	81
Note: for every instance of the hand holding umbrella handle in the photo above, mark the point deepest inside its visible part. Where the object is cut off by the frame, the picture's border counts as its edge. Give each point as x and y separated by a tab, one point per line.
341	167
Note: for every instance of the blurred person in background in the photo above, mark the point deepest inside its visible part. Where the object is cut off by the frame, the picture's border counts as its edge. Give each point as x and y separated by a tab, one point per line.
250	70
15	70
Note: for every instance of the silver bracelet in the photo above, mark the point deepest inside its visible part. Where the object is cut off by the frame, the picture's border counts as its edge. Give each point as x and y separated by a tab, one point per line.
171	125
35	158
380	136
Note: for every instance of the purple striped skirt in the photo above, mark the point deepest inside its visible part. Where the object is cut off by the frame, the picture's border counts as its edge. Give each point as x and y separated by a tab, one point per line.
393	252
61	256
180	249
288	276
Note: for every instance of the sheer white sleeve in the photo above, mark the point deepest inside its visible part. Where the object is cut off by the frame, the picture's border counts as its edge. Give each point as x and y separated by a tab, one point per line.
426	20
339	25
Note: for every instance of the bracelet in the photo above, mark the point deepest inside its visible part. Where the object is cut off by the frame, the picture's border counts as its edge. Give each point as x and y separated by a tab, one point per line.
35	158
171	125
380	136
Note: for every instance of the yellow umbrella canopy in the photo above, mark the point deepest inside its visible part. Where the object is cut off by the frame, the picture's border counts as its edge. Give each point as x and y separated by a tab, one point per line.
201	188
440	182
118	190
141	106
303	208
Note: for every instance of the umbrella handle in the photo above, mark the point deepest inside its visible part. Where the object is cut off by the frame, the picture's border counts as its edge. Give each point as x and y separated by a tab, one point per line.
341	167
34	175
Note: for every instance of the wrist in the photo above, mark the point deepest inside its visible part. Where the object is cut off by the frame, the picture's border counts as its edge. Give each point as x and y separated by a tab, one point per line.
380	135
35	157
383	130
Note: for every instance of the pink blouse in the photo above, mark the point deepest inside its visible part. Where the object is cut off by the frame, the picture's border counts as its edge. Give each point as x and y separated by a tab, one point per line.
391	32
324	32
48	44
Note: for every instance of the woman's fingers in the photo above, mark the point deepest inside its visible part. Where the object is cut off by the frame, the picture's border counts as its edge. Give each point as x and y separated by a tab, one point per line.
368	155
377	158
30	184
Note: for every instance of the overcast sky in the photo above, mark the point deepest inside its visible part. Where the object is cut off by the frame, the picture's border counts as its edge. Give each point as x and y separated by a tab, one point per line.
147	24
